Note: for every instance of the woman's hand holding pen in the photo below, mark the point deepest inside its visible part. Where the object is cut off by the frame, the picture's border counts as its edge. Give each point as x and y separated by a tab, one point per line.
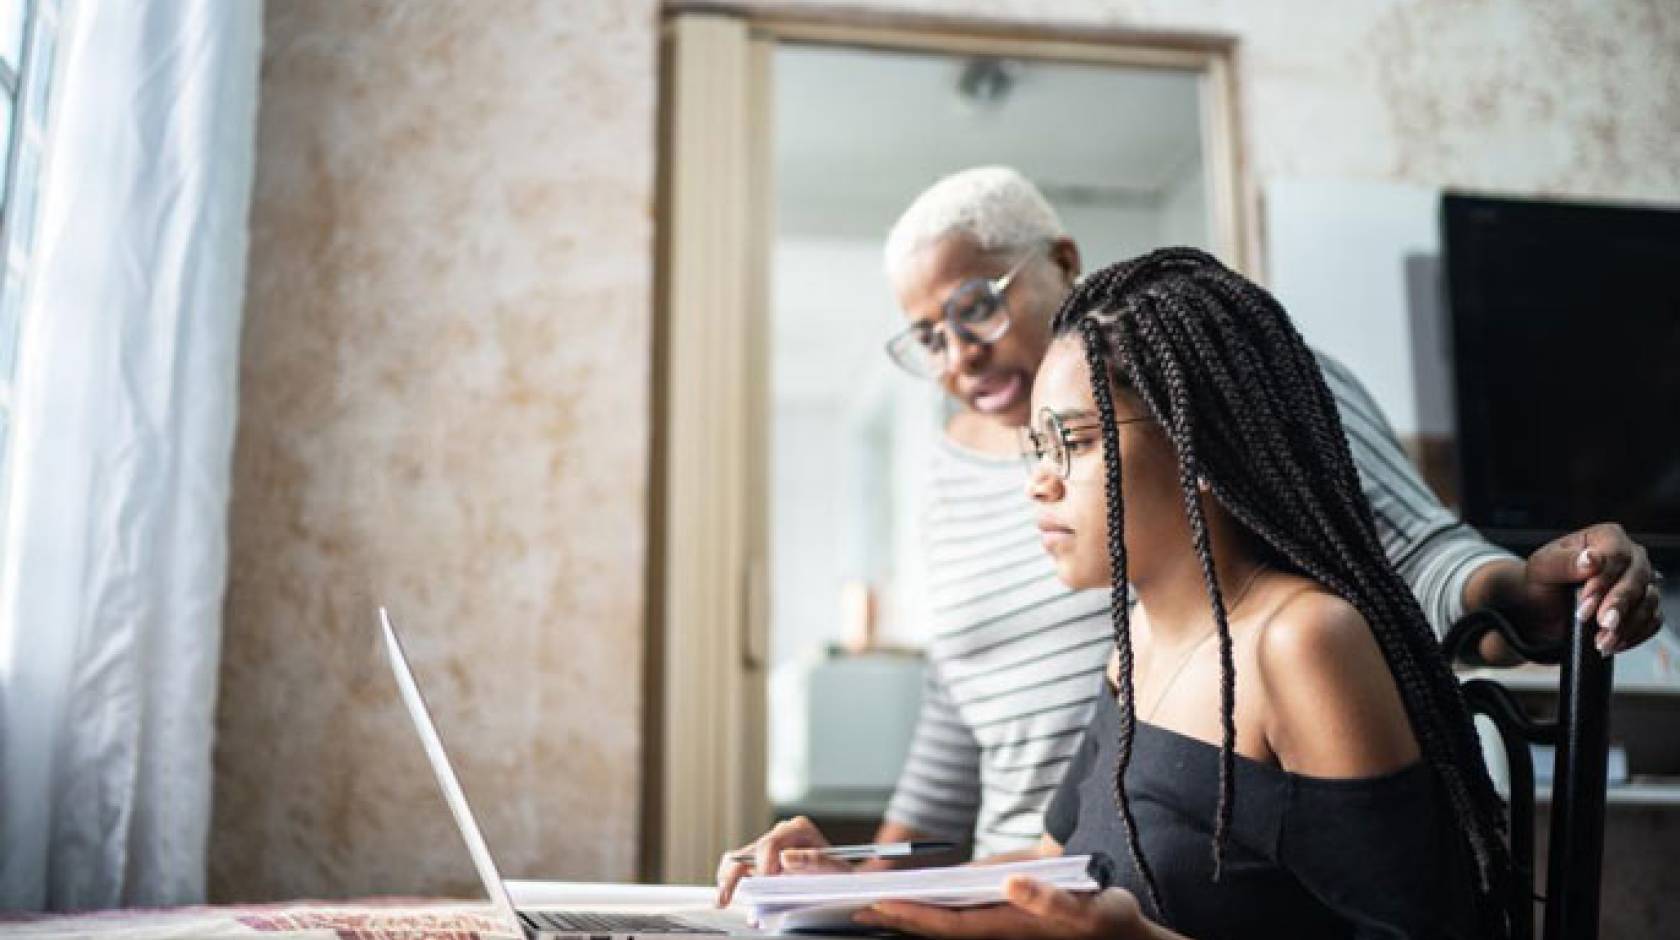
791	846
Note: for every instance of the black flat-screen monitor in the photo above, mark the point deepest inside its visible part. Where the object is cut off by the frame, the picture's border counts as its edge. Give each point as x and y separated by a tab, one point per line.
1566	356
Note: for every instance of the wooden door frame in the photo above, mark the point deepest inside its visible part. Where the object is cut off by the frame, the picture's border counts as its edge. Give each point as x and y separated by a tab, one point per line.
708	606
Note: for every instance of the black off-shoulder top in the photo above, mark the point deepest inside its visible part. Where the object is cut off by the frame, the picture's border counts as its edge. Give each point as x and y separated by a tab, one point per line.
1306	858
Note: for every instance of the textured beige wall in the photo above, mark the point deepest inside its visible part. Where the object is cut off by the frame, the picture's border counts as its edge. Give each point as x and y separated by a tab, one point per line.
450	296
1567	98
445	395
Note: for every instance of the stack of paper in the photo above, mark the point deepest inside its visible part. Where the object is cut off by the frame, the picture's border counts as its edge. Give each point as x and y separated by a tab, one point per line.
811	902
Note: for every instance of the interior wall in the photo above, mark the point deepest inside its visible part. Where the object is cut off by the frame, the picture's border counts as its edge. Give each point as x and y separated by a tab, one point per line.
1184	207
444	392
1577	98
808	538
444	408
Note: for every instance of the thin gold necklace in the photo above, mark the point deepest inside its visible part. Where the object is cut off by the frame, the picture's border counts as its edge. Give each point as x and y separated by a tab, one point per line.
1177	670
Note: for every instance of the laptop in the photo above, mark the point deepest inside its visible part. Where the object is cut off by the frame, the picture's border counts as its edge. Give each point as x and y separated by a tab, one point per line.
532	924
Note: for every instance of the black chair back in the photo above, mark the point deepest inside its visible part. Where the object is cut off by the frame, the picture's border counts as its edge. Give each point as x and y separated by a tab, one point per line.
1580	734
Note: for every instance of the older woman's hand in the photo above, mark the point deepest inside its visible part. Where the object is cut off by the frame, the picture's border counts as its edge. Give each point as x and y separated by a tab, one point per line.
1035	911
789	846
1619	591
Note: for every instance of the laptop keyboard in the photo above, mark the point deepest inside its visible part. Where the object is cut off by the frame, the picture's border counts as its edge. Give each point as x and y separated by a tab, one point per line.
598	923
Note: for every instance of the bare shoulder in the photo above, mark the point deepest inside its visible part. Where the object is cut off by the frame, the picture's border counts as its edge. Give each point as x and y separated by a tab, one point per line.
1332	706
1315	630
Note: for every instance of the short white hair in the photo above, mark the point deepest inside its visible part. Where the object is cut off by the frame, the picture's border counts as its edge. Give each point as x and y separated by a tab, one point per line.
995	206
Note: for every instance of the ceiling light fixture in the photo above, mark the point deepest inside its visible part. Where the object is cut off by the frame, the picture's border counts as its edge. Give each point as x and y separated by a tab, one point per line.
985	81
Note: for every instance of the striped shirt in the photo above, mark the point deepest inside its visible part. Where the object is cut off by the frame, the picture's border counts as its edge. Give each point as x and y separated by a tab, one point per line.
1014	656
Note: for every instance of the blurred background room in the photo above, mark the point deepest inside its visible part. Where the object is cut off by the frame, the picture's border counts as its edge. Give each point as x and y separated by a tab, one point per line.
557	326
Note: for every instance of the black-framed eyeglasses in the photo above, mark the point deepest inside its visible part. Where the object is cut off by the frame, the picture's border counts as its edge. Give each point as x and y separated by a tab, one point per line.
1055	437
976	311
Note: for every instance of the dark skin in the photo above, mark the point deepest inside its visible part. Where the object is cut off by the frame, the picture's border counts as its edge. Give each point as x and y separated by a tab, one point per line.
1613	573
934	273
1537	594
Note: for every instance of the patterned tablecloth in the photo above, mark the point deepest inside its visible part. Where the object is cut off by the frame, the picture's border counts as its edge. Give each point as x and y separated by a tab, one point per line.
374	919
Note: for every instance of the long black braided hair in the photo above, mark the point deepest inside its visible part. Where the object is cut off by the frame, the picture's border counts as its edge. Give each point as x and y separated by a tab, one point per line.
1222	369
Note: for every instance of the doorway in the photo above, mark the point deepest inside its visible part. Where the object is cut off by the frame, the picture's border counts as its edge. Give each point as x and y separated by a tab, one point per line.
789	450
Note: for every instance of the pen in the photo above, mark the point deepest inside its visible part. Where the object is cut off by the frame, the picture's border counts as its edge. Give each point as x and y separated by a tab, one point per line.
859	853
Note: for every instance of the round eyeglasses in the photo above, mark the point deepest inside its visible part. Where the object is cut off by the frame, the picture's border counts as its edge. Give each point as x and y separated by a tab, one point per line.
1055	437
976	312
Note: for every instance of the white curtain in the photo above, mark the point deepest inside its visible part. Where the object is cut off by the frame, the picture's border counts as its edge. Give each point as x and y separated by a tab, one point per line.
116	539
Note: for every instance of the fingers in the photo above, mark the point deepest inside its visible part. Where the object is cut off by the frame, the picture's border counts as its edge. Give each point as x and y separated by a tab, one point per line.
973	923
1041	900
1571	559
1605	596
1110	913
729	874
796	833
1624	615
903	916
1614	574
811	861
1642	621
1035	911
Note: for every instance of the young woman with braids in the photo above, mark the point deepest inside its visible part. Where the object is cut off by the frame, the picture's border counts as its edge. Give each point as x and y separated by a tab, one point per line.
1282	750
980	264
